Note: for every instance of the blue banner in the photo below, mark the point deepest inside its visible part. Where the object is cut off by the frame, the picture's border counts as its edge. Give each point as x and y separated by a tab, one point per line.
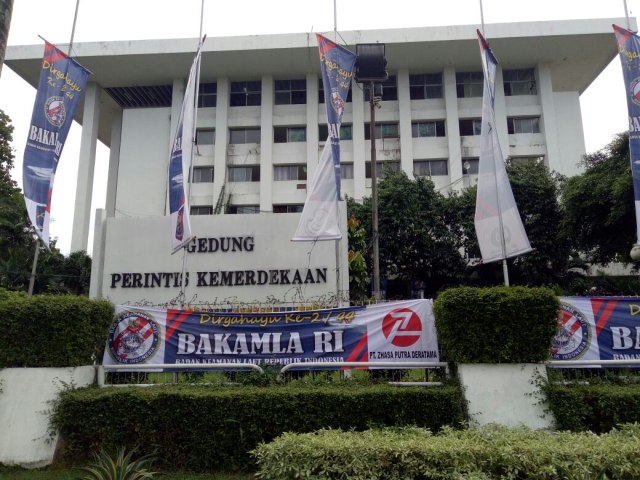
337	64
62	82
599	328
629	49
391	332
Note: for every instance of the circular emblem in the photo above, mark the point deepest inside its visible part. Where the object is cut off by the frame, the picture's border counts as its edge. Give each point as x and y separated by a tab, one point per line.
337	103
133	337
55	111
402	327
634	88
573	336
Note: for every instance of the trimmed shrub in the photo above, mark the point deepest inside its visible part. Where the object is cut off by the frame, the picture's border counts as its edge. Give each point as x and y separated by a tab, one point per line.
53	331
496	325
202	428
595	408
486	453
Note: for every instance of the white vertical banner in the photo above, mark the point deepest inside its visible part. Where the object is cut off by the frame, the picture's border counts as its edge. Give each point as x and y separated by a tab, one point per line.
498	225
180	163
319	220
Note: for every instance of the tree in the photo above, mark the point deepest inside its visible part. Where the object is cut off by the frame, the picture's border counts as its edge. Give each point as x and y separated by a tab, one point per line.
55	273
599	218
6	9
416	244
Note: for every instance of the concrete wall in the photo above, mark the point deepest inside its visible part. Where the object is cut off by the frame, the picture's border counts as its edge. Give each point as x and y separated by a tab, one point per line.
504	394
25	401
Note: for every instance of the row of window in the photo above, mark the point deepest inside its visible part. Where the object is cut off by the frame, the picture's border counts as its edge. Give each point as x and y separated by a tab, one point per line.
421	168
427	128
244	209
421	86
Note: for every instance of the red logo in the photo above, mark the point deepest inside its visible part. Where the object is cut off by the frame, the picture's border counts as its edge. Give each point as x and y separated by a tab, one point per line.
402	326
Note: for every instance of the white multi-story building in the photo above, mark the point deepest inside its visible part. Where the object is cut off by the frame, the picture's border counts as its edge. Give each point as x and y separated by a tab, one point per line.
261	122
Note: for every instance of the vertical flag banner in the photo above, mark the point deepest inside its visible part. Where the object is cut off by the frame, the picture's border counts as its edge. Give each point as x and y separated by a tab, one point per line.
319	219
497	220
62	82
629	49
180	163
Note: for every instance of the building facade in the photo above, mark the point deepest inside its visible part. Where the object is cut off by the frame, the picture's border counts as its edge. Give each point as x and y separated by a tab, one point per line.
261	122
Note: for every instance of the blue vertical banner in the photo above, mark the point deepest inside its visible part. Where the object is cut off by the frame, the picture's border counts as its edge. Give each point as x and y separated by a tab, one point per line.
337	65
180	162
629	49
319	219
62	82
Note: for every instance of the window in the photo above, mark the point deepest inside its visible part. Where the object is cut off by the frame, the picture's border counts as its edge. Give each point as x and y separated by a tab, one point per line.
346	132
346	170
469	84
523	124
202	174
201	210
519	82
321	93
291	92
470	166
244	94
430	168
289	172
389	90
244	174
287	208
242	209
207	93
470	127
205	136
289	134
525	160
383	130
423	86
244	135
433	128
383	169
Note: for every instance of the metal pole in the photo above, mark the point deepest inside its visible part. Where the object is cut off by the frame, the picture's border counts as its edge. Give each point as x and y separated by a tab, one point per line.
374	197
482	17
335	21
32	279
73	28
626	14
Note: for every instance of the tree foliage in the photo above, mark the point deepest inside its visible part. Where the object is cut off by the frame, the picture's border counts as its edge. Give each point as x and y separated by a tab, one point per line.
416	244
55	273
599	218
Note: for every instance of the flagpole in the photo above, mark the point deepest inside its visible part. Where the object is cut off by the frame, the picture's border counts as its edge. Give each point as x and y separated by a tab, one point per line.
193	142
34	266
505	269
73	28
626	14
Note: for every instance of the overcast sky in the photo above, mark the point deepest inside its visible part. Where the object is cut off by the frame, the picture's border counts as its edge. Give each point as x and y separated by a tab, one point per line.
603	103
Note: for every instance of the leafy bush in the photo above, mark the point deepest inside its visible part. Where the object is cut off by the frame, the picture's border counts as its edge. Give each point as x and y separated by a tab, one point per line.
496	325
52	331
486	453
595	408
200	428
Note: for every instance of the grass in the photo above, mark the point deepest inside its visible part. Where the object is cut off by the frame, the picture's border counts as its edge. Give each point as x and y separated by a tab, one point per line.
11	473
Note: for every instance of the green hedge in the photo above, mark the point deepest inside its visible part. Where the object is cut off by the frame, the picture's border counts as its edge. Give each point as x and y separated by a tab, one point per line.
52	331
204	428
496	325
597	408
487	453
